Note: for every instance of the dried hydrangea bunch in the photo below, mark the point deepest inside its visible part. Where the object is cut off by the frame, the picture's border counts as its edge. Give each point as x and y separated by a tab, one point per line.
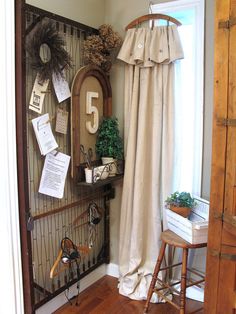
101	49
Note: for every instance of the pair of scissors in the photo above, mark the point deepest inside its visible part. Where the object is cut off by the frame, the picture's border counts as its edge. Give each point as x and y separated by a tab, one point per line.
90	155
87	156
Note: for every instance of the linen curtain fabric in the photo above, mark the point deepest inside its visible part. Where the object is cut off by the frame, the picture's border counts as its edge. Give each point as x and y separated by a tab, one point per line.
149	57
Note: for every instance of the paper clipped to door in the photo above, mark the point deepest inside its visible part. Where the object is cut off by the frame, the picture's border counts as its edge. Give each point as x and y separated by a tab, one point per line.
61	121
54	173
44	135
61	87
38	95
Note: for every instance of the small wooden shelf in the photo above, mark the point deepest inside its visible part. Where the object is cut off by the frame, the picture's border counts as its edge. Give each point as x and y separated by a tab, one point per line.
100	183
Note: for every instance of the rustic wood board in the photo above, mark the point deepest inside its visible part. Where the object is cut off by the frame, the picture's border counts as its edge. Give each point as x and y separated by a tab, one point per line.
218	154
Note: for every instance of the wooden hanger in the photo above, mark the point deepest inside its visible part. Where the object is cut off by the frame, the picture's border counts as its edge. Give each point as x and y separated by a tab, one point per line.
57	269
152	17
82	215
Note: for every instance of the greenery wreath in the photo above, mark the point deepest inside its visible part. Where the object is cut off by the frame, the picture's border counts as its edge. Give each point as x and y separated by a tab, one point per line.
46	33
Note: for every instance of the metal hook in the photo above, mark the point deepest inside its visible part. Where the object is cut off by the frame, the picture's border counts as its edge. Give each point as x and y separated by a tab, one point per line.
150	6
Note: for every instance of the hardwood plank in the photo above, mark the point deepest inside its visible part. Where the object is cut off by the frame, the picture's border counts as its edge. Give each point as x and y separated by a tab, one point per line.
22	163
218	154
103	298
227	281
227	274
229	206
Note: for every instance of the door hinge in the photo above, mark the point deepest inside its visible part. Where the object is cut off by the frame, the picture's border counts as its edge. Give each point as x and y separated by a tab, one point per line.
220	255
29	222
227	23
218	215
226	122
224	217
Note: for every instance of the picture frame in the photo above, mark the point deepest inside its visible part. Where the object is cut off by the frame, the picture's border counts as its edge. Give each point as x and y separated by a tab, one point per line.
91	100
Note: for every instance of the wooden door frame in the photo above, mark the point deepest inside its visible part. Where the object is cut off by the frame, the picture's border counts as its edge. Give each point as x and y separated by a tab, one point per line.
21	140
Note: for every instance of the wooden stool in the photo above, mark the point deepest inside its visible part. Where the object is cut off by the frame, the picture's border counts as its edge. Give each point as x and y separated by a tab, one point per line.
172	239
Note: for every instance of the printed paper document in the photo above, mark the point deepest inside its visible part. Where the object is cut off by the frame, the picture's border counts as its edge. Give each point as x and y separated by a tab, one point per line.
38	95
54	173
61	87
61	121
44	135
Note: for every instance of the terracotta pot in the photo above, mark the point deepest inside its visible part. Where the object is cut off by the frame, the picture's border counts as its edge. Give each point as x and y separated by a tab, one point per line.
182	211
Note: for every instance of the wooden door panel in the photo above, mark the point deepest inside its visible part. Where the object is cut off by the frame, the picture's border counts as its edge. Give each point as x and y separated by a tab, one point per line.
227	275
230	182
221	272
227	272
228	237
229	219
229	230
218	155
227	281
229	214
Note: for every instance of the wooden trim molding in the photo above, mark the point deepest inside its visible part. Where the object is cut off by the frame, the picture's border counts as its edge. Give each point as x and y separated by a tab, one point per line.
11	289
22	156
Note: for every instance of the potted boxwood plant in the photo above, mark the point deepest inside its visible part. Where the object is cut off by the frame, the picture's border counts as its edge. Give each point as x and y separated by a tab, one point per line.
109	144
181	203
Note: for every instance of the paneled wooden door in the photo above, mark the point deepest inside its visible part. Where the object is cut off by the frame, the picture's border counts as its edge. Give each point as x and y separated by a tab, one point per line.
220	292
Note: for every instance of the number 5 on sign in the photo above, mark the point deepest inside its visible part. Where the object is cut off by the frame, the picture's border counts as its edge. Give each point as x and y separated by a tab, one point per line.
90	109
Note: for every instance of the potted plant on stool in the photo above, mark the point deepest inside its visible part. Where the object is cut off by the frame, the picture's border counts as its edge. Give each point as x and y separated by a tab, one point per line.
180	203
109	144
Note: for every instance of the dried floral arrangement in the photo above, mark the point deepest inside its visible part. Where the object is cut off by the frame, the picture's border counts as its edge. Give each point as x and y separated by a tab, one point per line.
101	49
46	33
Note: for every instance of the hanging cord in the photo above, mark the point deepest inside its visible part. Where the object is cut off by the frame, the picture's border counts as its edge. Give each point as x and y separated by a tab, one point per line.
92	235
78	282
71	254
66	293
94	217
94	214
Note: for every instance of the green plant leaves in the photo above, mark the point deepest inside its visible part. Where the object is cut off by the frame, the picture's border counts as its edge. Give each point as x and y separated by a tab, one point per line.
182	199
109	143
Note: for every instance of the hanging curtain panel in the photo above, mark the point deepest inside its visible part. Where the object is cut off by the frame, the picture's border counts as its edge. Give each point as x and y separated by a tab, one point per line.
149	57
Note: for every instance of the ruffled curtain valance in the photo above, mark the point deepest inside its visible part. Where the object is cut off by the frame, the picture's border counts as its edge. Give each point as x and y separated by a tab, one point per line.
146	47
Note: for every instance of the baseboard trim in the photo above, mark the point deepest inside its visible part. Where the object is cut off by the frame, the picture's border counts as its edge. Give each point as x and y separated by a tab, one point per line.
112	270
60	300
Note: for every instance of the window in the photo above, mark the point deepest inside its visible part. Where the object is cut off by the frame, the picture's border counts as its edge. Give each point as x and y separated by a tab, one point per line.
188	92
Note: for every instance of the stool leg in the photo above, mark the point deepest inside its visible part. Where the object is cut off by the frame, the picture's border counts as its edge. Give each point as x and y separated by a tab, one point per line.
183	281
154	276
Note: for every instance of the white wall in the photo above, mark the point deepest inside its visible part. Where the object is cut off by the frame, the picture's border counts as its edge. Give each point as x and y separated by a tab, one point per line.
119	14
89	12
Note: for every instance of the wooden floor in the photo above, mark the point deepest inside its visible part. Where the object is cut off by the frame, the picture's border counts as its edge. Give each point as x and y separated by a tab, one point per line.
103	298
